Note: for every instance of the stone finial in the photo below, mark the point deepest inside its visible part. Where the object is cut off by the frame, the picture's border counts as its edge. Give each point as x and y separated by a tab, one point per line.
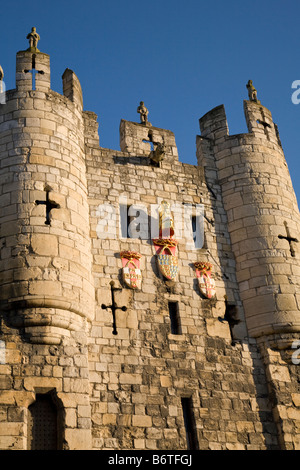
252	93
143	111
1	73
33	38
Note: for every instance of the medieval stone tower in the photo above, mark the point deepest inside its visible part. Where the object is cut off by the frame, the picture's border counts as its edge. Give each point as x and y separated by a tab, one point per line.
116	336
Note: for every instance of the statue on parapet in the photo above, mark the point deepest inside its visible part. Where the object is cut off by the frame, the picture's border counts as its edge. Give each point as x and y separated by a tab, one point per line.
33	38
143	111
252	93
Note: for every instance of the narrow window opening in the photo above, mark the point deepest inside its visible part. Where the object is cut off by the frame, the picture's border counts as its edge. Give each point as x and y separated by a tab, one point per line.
194	228
151	142
291	240
33	71
125	220
49	205
198	232
263	123
134	222
174	318
33	61
189	423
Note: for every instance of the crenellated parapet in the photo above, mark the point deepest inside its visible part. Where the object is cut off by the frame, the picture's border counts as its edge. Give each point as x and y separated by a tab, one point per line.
263	217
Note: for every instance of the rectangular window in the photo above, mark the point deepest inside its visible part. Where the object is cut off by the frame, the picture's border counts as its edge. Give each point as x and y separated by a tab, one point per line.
194	227
174	318
124	220
189	423
198	231
134	222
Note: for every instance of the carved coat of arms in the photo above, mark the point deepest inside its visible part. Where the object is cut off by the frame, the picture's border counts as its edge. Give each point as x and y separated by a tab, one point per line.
132	275
205	280
166	257
166	245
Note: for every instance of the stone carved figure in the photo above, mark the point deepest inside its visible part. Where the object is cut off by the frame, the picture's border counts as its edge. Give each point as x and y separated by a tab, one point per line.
33	38
252	93
159	153
1	74
143	111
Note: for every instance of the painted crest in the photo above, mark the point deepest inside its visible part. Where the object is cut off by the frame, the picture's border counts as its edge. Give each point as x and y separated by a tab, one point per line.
166	256
132	275
206	281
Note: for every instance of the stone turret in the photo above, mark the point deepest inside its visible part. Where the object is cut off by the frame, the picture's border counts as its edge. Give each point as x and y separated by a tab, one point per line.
46	285
263	223
263	217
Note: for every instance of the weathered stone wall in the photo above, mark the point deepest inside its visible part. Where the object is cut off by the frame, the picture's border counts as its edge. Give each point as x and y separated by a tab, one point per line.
282	372
125	390
30	369
139	376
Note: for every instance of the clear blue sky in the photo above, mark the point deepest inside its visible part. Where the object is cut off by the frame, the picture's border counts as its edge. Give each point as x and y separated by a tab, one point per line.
182	58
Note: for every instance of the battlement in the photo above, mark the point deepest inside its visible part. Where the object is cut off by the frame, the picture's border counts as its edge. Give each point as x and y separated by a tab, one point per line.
140	139
214	125
32	71
72	88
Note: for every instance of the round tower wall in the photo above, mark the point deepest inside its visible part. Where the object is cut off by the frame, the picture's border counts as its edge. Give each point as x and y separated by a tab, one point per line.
45	268
262	214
